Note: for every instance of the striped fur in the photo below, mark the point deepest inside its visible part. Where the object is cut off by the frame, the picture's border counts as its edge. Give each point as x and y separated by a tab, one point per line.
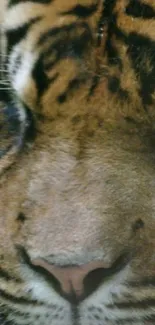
77	100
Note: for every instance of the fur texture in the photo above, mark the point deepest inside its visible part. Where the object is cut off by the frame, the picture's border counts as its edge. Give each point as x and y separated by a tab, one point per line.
77	157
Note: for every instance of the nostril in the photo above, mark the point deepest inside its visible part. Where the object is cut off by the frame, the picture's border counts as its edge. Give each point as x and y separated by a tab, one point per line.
93	280
75	283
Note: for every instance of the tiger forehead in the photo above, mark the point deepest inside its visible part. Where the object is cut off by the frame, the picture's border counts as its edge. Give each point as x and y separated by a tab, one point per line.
91	58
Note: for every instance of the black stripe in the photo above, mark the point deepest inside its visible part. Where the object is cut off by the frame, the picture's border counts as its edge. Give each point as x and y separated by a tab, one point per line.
5	95
72	86
4	317
82	11
143	304
15	2
71	41
95	82
108	9
40	77
75	315
19	300
114	86
106	23
8	312
141	49
140	10
134	320
5	275
65	42
70	33
107	19
14	36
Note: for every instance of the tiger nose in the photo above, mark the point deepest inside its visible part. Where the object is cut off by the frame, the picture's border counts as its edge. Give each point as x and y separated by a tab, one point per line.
73	279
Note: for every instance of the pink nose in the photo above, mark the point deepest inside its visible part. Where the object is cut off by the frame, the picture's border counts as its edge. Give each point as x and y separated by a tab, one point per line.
72	278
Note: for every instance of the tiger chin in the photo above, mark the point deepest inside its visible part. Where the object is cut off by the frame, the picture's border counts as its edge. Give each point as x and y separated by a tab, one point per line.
77	162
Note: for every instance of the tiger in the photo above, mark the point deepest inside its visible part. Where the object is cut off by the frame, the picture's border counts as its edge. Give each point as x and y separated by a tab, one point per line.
77	162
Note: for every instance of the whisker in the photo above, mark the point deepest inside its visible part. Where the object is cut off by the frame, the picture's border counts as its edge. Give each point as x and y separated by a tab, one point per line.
5	88
3	54
2	78
4	82
3	70
5	64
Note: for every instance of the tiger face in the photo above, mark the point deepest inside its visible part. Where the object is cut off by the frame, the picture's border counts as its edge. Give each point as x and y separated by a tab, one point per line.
77	162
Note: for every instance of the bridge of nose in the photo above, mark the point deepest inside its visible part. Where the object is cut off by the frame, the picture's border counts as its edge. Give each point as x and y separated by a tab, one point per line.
71	278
